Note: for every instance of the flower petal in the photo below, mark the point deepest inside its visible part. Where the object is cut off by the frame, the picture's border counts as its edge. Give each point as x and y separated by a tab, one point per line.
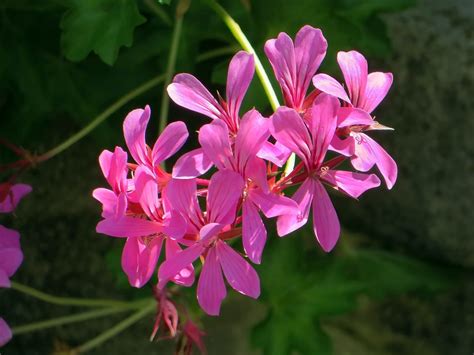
354	184
239	274
211	289
254	234
272	204
239	76
5	332
11	255
224	192
276	153
377	87
169	142
146	188
345	147
128	227
186	276
174	224
4	280
114	168
14	196
330	86
188	92
354	68
351	116
134	129
325	222
214	139
191	165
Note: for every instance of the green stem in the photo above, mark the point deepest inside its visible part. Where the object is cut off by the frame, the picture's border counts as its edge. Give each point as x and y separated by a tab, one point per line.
101	117
119	327
102	312
159	12
245	44
67	301
170	67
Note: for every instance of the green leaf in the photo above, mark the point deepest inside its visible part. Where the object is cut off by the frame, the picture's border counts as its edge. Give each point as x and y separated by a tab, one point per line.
102	26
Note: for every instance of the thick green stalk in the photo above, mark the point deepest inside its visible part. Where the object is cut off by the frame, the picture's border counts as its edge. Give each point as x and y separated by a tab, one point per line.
80	317
67	301
101	117
119	327
245	44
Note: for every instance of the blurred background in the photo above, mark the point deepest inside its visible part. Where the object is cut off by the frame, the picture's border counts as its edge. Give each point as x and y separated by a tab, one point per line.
400	281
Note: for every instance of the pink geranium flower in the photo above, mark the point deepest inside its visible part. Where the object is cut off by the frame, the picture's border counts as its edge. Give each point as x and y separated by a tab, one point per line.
242	158
294	64
206	234
310	141
365	92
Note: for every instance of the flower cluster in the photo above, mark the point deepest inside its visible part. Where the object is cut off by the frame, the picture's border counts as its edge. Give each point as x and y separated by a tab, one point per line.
198	218
11	255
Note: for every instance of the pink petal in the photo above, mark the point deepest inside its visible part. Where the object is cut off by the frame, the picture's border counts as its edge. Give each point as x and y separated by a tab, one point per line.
345	147
16	193
256	171
354	69
211	289
108	199
239	76
363	158
225	190
134	129
128	227
238	272
351	116
174	224
290	130
11	255
354	184
187	91
214	139
191	165
254	234
276	153
173	266
209	231
146	188
114	168
253	133
272	204
330	86
325	222
377	87
323	125
139	259
303	197
9	238
186	276
5	332
4	280
169	142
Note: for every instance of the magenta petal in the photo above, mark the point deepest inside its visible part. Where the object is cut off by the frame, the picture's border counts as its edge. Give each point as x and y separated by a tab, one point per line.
239	76
330	86
146	188
345	147
209	230
4	279
351	116
16	193
11	255
354	69
191	165
254	234
211	288
108	199
239	274
134	129
325	222
114	168
276	153
290	130
187	91
225	190
256	170
9	238
253	133
174	224
303	197
169	142
139	259
354	184
214	139
272	204
128	227
5	332
377	87
171	267
186	276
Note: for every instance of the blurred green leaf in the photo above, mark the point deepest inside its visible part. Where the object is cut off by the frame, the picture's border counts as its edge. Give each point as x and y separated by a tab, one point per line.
102	26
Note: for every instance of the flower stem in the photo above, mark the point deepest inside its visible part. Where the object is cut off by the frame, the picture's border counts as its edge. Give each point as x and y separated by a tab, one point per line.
245	44
67	301
97	313
101	117
170	67
119	327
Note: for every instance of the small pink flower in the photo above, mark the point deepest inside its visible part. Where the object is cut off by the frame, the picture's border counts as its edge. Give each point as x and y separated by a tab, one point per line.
295	63
310	141
166	313
366	91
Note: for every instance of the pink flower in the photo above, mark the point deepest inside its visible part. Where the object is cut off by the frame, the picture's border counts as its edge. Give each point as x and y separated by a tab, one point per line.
310	141
5	332
11	195
241	157
206	235
366	91
166	313
11	255
295	63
